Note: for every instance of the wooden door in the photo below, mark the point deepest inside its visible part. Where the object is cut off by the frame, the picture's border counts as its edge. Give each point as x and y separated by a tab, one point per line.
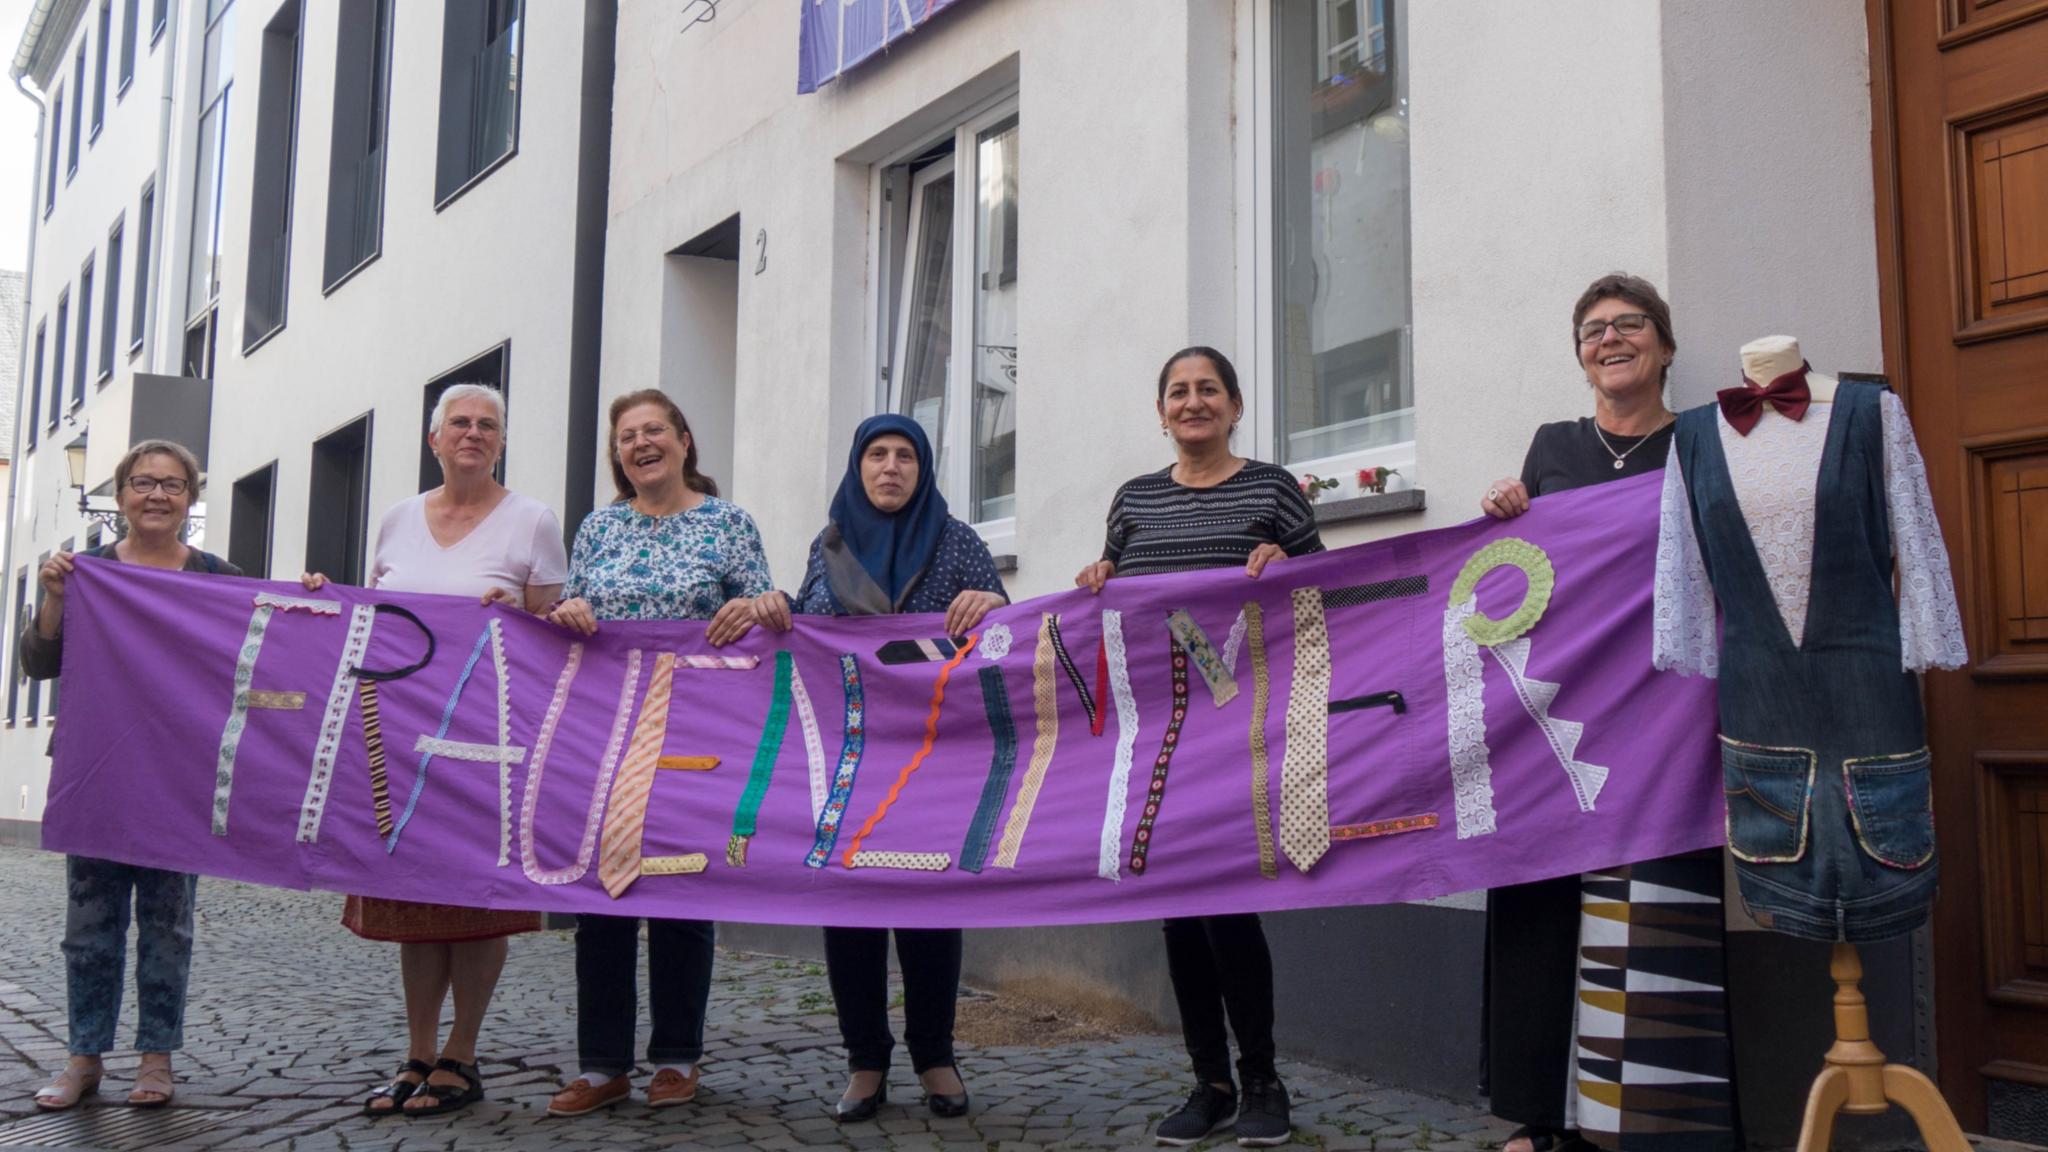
1960	102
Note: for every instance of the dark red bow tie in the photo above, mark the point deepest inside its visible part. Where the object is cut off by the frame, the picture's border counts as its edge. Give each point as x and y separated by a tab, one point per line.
1743	406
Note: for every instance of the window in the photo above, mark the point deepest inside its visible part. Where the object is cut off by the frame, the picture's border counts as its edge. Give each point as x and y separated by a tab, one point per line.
489	368
950	356
130	13
99	67
35	391
199	341
110	304
35	687
270	193
56	138
67	546
1340	322
159	10
338	520
14	673
250	521
145	228
355	165
84	349
57	359
77	106
216	79
480	42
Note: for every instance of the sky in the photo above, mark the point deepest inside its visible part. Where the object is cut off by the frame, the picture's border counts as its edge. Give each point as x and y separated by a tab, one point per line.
17	144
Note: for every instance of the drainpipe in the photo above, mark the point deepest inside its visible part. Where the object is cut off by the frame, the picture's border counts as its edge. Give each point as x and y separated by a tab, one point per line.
28	285
163	239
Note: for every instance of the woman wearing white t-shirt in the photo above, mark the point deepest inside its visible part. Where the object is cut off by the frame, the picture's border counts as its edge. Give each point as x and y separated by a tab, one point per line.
470	537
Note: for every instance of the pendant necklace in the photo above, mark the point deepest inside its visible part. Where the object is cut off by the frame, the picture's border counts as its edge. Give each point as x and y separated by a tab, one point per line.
1621	458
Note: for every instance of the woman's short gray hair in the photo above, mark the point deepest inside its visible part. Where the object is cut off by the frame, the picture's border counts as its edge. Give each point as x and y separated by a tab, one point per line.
456	392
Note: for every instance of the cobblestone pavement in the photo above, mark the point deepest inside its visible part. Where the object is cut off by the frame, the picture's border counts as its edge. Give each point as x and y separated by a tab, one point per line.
292	1020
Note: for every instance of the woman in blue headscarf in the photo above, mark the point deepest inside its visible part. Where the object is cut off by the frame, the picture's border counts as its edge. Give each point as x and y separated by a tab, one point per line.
889	547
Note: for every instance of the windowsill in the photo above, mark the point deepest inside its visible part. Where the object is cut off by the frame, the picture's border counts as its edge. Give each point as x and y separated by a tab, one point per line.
156	34
482	174
94	137
122	91
106	377
134	349
69	173
349	275
1005	561
260	341
1369	506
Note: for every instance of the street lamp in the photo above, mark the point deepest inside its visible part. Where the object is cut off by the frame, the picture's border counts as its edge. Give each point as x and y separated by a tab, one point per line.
74	461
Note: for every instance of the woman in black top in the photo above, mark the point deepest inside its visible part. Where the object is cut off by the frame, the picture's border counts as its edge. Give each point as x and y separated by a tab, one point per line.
1675	1087
154	484
1212	509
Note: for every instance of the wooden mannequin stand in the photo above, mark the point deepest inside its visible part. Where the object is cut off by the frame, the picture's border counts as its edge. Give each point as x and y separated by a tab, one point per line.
1858	1081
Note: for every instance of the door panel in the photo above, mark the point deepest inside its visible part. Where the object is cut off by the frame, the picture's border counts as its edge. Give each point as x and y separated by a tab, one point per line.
1961	145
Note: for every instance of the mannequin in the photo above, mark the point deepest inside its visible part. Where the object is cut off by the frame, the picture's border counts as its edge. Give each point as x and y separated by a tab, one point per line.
1766	358
1789	519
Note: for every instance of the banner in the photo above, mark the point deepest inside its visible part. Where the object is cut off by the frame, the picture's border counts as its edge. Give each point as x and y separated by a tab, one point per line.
839	34
1433	713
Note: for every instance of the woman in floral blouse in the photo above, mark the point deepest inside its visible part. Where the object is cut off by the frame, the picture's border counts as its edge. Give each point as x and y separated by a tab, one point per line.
667	549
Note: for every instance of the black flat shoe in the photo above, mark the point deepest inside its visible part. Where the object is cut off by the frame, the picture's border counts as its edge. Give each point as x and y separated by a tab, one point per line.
855	1111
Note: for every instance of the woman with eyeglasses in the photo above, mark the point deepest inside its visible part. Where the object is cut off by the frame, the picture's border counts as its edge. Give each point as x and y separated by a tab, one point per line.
1654	1069
154	485
667	549
472	536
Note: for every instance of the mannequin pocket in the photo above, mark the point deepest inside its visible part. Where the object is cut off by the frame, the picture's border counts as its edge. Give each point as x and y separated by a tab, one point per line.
1892	801
1770	800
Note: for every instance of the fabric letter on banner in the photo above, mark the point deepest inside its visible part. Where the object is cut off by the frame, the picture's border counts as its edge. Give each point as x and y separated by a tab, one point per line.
504	754
1109	852
625	821
360	622
849	763
687	763
1045	702
1305	765
931	735
749	812
1392	827
1059	648
909	861
529	860
688	865
720	663
238	715
916	651
1222	685
373	747
1262	694
281	701
1155	796
1101	682
995	699
814	748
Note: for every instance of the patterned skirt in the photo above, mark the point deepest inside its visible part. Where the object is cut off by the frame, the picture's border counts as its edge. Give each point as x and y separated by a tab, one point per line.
1654	1069
405	922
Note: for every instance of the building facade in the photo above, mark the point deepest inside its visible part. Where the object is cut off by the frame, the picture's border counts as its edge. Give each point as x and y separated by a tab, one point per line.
1000	223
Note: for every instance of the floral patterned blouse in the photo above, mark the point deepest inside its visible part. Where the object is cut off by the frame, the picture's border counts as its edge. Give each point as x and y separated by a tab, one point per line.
683	566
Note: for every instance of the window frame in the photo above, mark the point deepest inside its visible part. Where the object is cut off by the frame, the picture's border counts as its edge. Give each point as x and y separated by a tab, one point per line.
35	386
131	11
110	300
145	223
77	107
251	340
1263	429
159	17
99	74
83	332
483	172
56	150
331	281
56	414
889	274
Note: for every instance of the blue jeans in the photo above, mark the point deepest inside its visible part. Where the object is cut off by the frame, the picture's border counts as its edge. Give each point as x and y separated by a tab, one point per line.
96	949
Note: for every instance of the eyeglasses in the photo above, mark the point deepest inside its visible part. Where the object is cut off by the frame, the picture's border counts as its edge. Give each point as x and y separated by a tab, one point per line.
144	485
464	425
1628	324
630	436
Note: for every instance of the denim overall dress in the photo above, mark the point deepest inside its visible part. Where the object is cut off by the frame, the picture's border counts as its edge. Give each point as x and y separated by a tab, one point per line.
1823	746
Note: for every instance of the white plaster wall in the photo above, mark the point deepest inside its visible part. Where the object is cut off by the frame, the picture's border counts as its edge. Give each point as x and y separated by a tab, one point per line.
1124	234
1768	165
494	264
1516	209
112	169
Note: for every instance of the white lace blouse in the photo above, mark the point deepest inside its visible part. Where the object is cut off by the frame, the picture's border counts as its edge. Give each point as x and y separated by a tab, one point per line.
1775	470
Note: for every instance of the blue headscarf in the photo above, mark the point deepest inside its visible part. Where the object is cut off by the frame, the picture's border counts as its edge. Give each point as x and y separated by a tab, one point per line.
892	549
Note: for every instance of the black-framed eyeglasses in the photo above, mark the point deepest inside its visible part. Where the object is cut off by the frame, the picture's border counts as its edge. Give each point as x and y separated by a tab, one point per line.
144	485
1628	324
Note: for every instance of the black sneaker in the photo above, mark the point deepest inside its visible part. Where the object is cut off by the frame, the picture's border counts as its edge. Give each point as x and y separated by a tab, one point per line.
1263	1122
1208	1109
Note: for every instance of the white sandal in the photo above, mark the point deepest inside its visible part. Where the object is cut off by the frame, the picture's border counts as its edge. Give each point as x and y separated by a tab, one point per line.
70	1086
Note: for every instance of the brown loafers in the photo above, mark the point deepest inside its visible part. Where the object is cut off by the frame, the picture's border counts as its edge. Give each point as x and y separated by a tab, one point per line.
580	1097
670	1088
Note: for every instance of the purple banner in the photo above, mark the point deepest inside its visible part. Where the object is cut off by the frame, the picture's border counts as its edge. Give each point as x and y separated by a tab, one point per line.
838	35
1429	714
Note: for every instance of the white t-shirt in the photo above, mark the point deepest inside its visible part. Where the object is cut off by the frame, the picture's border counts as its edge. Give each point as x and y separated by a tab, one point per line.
519	543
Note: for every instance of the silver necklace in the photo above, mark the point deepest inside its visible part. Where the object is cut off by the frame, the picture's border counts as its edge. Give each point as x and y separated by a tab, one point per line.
1621	458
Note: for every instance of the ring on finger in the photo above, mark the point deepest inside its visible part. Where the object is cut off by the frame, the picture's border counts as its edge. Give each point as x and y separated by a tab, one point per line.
1493	494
